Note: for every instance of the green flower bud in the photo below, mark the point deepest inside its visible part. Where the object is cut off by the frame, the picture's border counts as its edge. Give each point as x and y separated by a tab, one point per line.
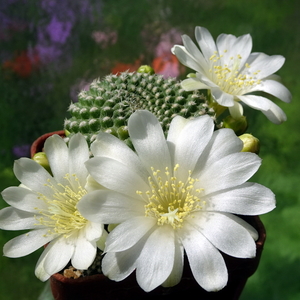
42	160
191	75
239	126
251	143
145	69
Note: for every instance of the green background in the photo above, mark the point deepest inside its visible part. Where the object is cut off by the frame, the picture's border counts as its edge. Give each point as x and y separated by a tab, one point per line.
38	103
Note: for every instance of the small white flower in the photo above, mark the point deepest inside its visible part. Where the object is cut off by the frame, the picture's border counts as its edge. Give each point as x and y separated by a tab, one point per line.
231	72
48	205
172	197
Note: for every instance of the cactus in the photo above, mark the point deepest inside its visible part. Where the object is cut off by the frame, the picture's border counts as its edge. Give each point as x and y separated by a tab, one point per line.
109	102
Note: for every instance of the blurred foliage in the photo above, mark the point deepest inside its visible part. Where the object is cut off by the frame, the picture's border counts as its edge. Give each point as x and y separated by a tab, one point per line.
37	103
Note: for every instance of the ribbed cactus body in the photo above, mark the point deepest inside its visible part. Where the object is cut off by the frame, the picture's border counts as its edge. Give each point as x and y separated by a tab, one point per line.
109	102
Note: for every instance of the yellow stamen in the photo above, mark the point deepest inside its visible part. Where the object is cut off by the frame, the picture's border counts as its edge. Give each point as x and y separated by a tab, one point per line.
171	200
62	216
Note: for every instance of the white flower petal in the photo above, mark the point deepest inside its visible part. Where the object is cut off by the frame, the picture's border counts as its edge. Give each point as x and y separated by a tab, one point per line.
78	155
40	272
56	150
177	271
148	140
109	146
236	111
27	243
219	147
275	114
93	231
192	84
252	231
84	253
128	233
185	58
155	263
225	234
246	199
191	141
264	64
256	102
194	51
232	170
225	44
14	219
109	207
117	266
60	253
276	89
222	98
116	176
206	42
23	199
206	262
176	126
93	185
33	175
229	46
243	47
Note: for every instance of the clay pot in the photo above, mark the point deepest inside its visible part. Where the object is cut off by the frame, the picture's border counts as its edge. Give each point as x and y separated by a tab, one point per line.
100	287
38	144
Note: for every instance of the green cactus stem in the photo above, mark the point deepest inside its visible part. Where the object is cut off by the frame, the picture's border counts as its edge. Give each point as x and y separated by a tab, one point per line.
109	102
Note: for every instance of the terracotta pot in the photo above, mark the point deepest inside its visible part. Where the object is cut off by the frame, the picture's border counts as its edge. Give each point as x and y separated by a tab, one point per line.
38	144
100	287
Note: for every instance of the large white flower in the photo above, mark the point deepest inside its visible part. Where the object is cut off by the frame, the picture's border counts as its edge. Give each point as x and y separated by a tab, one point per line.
232	72
48	205
172	197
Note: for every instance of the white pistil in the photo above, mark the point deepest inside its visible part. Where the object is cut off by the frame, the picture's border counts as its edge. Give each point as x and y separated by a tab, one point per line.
171	200
62	216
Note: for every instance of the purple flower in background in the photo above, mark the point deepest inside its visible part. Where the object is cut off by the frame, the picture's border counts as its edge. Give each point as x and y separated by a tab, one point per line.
59	31
52	37
48	53
21	151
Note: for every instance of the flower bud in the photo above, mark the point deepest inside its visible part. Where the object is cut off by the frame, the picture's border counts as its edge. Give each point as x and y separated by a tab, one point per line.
145	69
41	159
239	125
251	143
191	75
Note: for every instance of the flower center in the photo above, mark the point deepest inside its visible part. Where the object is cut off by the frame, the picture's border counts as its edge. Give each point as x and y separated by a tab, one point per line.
62	216
229	78
171	200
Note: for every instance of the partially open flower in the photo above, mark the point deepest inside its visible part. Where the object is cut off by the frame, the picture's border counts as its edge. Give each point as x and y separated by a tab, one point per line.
47	205
174	196
231	72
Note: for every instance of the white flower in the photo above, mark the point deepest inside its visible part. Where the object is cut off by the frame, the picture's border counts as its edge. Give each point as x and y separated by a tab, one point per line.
174	196
231	72
48	205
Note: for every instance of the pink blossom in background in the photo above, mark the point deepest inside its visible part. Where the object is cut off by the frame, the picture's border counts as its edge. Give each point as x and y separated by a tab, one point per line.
165	63
105	39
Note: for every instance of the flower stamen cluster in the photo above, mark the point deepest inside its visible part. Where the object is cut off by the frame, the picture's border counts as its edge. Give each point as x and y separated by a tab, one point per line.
62	216
171	200
228	76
